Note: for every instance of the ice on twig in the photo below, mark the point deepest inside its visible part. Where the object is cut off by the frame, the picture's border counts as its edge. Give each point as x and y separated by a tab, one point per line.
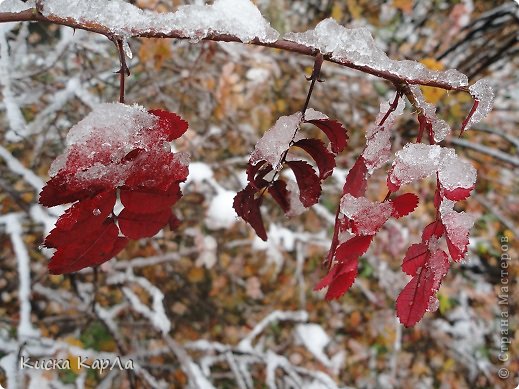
357	46
239	18
378	142
276	140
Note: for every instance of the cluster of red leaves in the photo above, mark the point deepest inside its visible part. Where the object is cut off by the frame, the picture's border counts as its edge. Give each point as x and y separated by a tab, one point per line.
89	233
248	201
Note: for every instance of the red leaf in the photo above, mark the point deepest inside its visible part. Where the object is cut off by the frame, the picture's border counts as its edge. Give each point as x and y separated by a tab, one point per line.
255	179
81	218
307	181
435	229
93	248
146	200
415	258
324	159
248	208
341	284
356	180
404	204
170	125
413	301
278	191
457	194
142	225
455	253
353	248
335	132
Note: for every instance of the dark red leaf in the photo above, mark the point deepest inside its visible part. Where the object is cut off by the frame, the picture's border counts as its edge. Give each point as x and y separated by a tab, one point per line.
80	218
415	258
248	208
356	180
145	200
324	159
335	132
353	248
339	279
278	191
404	204
170	125
142	225
307	181
414	299
93	248
255	179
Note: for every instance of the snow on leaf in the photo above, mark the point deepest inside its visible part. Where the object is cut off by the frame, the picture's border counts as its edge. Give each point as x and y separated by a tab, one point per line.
276	140
324	159
457	177
483	95
457	227
308	182
335	132
404	204
367	217
248	208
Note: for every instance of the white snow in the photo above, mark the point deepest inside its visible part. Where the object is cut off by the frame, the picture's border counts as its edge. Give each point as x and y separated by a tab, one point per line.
458	225
97	144
16	6
312	114
276	140
315	339
378	142
357	46
483	93
220	213
456	173
440	127
296	206
368	216
416	161
239	18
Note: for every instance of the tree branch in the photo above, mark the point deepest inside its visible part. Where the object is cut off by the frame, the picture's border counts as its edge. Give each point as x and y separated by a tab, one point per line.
282	44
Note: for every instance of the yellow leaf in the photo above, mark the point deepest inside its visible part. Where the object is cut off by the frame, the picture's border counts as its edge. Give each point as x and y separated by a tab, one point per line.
155	51
196	275
404	5
337	11
431	94
354	8
74	362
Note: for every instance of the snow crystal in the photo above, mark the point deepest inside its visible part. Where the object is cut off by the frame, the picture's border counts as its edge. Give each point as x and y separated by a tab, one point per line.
378	143
16	6
276	140
440	127
416	161
312	114
368	216
434	304
483	93
458	225
357	46
456	173
239	18
97	144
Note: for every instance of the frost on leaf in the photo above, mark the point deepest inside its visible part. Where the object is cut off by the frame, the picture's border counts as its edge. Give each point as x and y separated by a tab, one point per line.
457	227
457	177
366	217
483	95
270	157
357	47
239	18
116	148
378	137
